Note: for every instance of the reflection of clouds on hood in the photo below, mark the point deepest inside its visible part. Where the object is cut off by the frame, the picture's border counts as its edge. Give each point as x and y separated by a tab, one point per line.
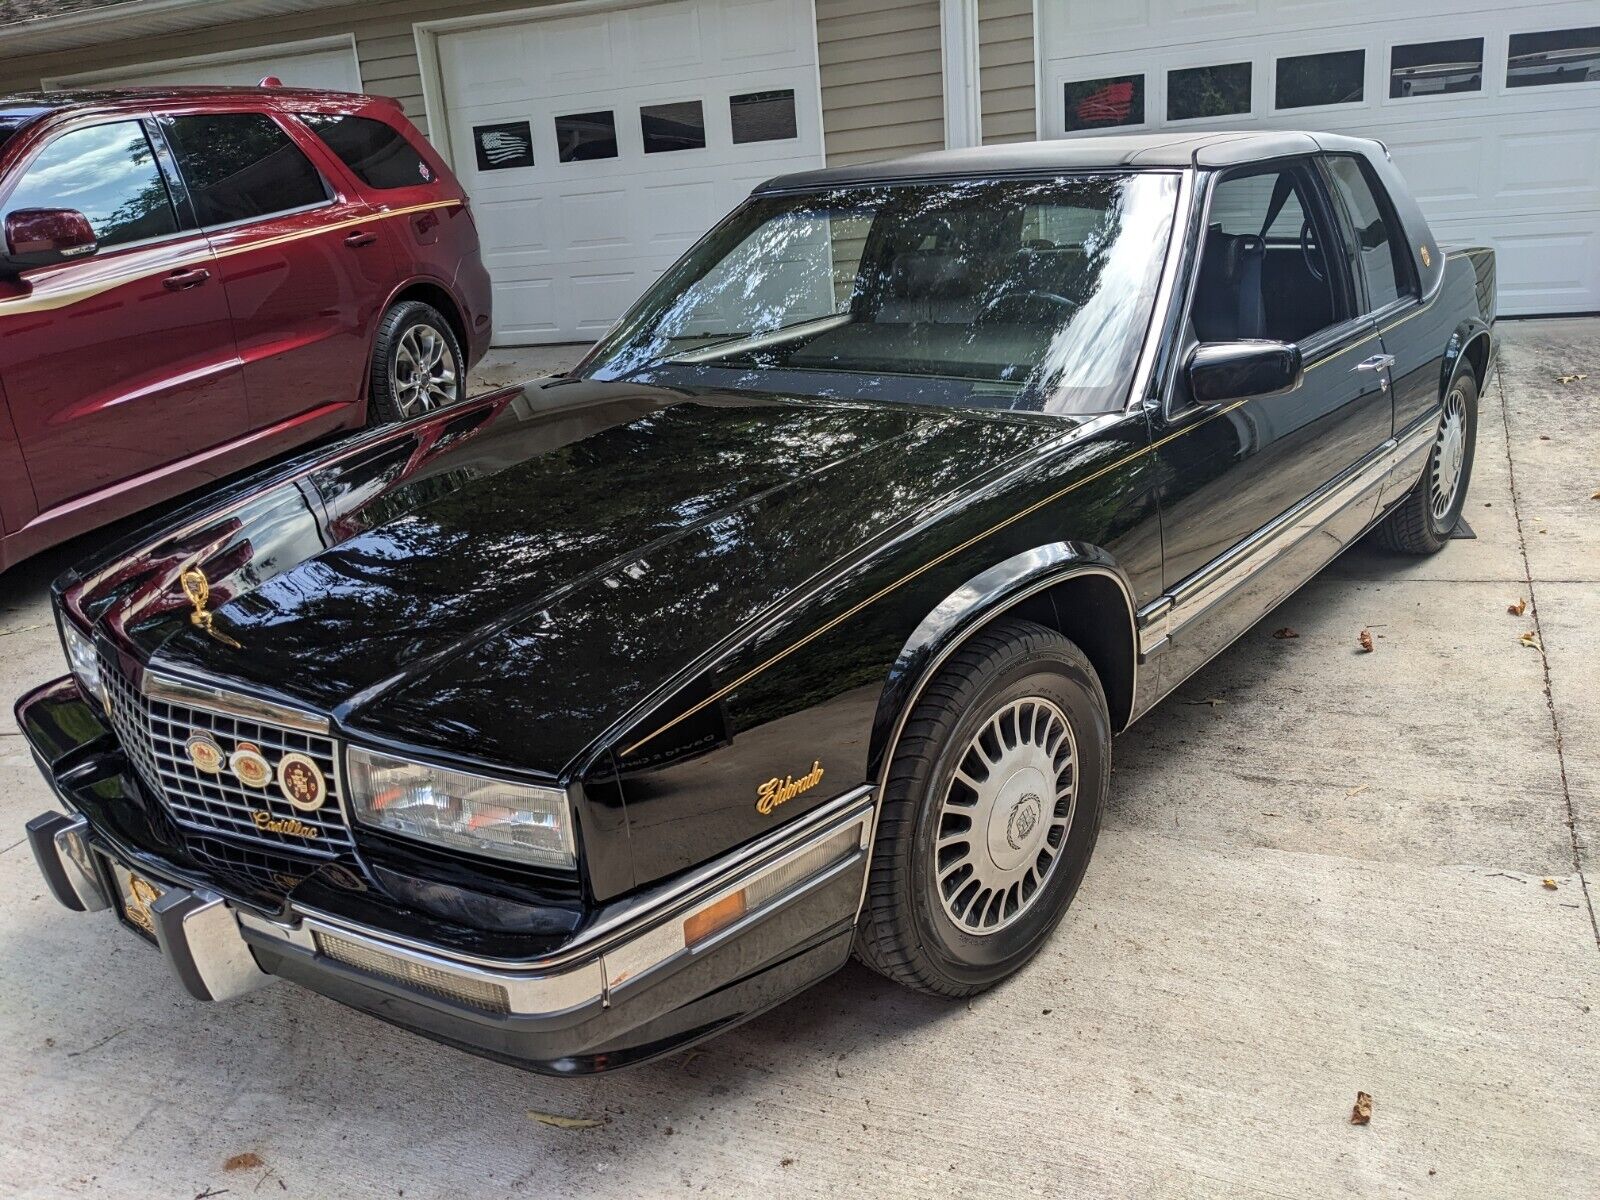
1097	348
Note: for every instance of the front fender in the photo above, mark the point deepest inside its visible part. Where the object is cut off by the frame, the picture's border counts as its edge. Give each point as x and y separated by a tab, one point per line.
981	599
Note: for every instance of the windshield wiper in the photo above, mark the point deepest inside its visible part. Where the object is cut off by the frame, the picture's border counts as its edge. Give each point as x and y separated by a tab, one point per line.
760	341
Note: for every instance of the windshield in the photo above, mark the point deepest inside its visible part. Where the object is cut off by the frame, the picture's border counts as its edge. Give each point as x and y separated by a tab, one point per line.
1028	294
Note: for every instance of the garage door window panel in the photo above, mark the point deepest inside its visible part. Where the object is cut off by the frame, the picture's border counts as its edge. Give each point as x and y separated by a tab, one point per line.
110	174
1436	68
584	137
1377	245
242	167
1197	92
1321	80
376	153
762	117
1555	56
1264	270
1111	102
666	128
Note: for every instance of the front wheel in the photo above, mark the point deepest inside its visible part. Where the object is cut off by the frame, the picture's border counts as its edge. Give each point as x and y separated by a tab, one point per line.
990	814
1423	521
417	364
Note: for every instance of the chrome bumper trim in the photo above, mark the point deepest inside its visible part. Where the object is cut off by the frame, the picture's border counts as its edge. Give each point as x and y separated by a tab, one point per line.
61	848
200	938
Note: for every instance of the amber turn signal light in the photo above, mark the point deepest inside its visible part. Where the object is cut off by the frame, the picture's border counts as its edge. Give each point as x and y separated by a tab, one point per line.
712	917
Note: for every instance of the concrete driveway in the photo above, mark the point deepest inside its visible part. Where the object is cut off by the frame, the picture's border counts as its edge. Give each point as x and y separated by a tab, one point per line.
1323	872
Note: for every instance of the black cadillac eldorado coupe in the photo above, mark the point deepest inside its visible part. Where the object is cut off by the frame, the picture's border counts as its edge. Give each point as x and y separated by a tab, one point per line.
588	718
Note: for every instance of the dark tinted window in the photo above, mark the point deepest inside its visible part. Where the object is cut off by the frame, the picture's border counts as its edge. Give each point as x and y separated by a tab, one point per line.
582	136
1208	91
106	172
762	116
1555	56
669	127
1309	79
1379	245
242	165
1104	103
1433	68
379	154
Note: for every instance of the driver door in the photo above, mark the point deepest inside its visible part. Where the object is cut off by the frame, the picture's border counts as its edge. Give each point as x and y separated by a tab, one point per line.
1237	476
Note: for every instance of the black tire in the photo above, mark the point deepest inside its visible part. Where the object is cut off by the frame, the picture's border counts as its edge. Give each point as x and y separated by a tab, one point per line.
1419	524
908	931
398	391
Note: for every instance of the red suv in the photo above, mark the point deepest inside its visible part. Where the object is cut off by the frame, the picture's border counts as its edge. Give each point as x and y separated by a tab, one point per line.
195	279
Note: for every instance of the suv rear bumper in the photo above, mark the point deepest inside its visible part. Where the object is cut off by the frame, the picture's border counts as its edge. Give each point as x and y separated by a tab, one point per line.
631	986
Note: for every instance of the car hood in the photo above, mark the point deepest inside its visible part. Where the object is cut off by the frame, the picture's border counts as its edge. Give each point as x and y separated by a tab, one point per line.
506	581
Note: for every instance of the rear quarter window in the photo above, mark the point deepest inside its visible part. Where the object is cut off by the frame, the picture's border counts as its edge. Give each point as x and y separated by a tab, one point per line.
378	154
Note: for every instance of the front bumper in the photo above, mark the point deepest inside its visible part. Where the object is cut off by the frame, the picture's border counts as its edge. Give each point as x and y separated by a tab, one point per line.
630	985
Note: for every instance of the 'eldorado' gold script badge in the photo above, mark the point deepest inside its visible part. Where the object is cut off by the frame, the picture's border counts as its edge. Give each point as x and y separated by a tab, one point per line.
780	791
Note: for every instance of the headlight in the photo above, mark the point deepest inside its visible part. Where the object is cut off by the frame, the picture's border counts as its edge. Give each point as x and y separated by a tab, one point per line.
473	813
82	659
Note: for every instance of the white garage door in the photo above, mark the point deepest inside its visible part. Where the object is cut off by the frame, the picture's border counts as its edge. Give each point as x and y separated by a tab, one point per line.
1491	112
597	148
327	63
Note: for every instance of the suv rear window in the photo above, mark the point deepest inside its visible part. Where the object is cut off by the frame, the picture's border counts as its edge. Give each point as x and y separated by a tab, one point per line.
241	166
378	153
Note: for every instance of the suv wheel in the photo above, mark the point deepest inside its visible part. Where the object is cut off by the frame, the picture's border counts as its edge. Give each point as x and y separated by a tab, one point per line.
416	364
990	814
1423	521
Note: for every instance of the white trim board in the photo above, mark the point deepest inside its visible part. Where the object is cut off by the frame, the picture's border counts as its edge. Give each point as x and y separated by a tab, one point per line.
346	41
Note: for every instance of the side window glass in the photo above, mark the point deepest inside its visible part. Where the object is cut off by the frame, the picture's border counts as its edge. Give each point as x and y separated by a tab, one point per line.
377	154
1263	267
241	166
106	172
1378	245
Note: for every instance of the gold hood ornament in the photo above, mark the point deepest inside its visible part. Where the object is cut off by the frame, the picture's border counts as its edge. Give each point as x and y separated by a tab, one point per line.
198	588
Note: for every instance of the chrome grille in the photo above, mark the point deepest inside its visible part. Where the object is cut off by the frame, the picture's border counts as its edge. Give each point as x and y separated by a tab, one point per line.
154	733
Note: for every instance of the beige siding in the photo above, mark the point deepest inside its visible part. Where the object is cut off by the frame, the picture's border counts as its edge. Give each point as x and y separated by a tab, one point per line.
1005	69
881	78
879	63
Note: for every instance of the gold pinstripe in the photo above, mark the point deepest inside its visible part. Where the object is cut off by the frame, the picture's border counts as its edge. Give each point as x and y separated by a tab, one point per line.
54	300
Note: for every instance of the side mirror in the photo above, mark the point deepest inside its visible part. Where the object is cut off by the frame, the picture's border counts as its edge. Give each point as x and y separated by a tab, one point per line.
38	237
1236	370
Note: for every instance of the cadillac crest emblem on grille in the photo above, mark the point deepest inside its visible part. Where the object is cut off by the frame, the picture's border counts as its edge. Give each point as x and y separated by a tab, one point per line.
301	782
198	588
205	754
249	767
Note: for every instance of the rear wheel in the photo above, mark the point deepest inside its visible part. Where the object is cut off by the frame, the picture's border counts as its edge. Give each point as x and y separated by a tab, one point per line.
1423	521
417	364
991	812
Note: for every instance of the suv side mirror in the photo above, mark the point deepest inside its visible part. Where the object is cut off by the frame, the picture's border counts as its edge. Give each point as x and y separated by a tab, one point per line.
1236	370
38	237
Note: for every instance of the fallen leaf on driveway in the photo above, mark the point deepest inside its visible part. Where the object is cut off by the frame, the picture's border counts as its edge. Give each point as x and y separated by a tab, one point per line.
1549	883
1596	496
1356	791
1530	640
1517	609
1213	701
1572	378
1365	638
1362	1112
248	1161
557	1121
1285	634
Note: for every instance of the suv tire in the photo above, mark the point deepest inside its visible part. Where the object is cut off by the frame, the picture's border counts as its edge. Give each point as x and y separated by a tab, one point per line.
417	364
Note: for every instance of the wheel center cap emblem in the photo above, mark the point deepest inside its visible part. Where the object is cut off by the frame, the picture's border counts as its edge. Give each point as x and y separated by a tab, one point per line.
1024	816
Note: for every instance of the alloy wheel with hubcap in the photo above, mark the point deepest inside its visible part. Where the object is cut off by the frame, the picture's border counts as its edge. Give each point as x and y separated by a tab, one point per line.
1449	454
423	372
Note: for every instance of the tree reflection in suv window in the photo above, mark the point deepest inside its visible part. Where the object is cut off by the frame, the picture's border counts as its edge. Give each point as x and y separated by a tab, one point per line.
240	166
106	172
1027	294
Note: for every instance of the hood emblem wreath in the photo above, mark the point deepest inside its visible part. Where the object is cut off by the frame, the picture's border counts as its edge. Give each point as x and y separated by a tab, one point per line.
198	588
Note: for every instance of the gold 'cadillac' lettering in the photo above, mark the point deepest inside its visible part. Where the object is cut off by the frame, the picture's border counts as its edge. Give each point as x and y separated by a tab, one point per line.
292	826
777	791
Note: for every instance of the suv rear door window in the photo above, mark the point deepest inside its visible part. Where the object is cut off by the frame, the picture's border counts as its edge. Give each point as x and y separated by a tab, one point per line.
1377	243
110	175
378	154
241	166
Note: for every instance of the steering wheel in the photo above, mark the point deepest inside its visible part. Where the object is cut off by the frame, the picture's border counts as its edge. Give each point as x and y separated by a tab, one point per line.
1022	298
1310	251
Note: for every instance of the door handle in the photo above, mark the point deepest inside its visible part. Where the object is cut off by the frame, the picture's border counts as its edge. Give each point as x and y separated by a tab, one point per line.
1376	363
182	280
359	239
